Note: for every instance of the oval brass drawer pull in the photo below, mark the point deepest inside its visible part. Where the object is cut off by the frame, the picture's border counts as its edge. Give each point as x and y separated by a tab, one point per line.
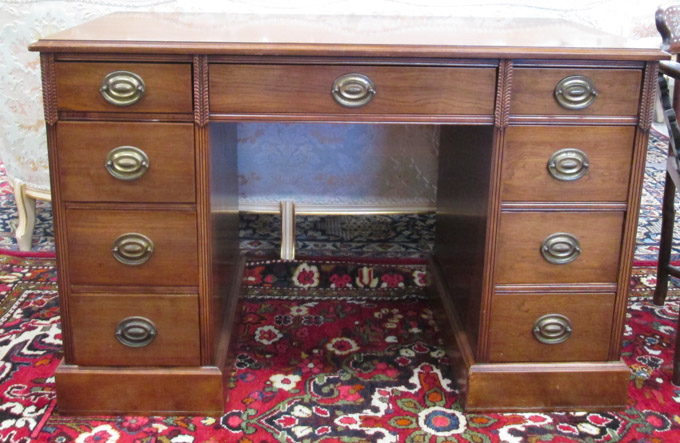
552	329
132	249
136	332
127	163
560	248
122	88
353	90
568	164
575	92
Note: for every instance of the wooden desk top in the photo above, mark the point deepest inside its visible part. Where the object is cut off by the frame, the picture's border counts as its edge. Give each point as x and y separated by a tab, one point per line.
330	35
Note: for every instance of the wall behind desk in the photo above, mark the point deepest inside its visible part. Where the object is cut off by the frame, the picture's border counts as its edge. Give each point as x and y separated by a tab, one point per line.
402	162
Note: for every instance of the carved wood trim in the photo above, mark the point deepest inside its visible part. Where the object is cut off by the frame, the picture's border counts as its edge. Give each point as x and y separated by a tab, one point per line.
493	221
61	245
502	114
205	287
202	149
49	87
201	103
648	96
48	75
48	78
502	119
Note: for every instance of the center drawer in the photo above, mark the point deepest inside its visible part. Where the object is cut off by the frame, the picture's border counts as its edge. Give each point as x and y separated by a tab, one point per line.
132	247
351	89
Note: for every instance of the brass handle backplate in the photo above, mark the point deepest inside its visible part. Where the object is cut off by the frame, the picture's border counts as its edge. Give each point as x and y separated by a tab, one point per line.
122	88
552	329
560	248
568	164
136	332
127	163
575	92
132	249
353	90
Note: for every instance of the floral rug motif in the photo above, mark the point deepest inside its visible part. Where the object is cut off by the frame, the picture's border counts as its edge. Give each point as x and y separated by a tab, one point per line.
30	345
334	279
327	370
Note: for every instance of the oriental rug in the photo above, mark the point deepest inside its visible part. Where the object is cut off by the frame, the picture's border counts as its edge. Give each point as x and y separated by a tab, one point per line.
338	369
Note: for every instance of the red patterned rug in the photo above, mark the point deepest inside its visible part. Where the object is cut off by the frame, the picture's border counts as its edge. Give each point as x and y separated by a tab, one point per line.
328	351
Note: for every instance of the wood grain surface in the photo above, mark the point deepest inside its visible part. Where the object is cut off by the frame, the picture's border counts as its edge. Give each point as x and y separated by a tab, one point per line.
521	234
528	149
548	387
170	177
533	91
91	234
168	86
85	390
304	89
96	317
513	317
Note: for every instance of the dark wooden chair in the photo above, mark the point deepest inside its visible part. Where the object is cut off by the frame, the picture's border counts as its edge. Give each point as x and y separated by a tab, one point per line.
668	24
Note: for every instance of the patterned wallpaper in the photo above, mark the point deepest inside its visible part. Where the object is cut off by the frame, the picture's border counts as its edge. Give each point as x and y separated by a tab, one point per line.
325	163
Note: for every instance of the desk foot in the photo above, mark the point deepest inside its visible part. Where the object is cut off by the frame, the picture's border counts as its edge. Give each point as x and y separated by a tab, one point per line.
547	387
140	391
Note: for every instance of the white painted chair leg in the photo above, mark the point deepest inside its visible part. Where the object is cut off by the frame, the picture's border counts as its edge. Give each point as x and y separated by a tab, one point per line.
287	230
26	210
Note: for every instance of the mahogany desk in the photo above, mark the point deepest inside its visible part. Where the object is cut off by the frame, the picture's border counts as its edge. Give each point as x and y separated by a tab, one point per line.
543	129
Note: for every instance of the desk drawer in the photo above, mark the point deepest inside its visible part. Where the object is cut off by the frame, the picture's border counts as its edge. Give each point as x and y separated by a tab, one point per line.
534	91
550	327
167	88
85	148
578	164
236	89
135	329
154	247
542	247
